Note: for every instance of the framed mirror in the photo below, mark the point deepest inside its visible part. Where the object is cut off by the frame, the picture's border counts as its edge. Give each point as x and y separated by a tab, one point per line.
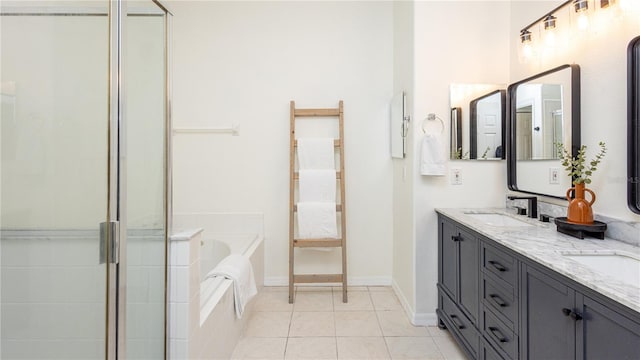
478	121
543	110
633	133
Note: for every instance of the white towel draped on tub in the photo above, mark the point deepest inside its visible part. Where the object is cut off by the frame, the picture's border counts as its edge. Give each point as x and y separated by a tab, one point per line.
317	220
432	162
238	269
317	186
316	153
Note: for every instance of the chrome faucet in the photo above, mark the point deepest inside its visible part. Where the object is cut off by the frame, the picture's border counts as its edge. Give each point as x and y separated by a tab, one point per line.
532	204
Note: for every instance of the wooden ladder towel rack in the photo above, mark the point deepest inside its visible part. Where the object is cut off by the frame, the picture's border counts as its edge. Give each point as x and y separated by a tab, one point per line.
340	208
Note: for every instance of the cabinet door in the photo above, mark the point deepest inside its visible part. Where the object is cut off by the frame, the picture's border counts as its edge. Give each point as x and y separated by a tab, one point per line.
547	333
448	258
606	334
469	274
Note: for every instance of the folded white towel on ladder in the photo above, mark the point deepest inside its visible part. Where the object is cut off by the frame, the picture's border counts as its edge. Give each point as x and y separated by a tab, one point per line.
317	220
317	186
316	153
432	161
238	269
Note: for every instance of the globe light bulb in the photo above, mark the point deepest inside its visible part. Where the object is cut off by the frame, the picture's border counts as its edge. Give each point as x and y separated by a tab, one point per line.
583	21
527	50
550	38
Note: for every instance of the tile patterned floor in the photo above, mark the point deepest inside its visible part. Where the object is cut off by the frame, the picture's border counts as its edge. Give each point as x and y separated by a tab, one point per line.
372	325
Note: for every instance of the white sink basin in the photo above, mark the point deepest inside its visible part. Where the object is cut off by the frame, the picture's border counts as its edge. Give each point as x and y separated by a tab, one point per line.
619	265
495	219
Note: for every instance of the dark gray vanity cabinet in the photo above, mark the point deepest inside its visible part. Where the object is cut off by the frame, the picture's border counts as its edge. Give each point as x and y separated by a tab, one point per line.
458	279
548	333
606	333
499	304
499	322
562	322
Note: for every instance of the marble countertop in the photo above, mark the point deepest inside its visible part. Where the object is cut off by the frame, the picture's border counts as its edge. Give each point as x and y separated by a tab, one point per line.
543	244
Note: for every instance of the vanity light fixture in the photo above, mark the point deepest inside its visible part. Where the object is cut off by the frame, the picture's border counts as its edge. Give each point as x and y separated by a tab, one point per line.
549	30
550	22
581	8
549	25
525	36
580	5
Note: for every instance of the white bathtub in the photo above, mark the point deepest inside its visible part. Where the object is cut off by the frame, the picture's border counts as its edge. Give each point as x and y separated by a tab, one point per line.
213	249
203	324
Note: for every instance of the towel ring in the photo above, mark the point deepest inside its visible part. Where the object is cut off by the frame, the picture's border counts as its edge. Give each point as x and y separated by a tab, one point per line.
432	117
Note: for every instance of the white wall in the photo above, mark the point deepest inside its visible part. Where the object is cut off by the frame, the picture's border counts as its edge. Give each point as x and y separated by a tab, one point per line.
242	62
403	224
601	54
455	42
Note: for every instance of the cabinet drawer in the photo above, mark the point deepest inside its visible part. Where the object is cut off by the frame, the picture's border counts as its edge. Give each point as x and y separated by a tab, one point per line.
500	264
501	301
500	335
461	325
488	353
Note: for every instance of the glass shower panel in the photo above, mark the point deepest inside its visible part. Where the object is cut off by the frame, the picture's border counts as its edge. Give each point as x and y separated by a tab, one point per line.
145	127
53	179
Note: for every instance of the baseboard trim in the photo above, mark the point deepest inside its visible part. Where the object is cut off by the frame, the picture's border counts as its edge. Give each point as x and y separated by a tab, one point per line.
425	319
406	306
352	281
417	319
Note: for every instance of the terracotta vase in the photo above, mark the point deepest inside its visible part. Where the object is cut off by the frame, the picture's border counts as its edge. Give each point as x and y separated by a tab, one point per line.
579	210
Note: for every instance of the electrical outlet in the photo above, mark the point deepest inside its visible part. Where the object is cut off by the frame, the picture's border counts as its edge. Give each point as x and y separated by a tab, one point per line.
554	175
456	176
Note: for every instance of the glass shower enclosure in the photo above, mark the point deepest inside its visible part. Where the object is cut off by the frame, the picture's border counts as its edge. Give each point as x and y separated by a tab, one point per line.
84	185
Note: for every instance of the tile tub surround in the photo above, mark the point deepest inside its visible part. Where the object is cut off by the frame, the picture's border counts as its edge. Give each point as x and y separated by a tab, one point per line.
372	325
543	244
625	231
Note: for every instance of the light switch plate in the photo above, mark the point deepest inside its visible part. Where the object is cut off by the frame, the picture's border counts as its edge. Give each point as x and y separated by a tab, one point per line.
456	176
554	175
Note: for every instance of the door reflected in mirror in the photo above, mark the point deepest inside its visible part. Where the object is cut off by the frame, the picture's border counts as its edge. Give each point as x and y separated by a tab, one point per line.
487	126
540	121
544	111
478	119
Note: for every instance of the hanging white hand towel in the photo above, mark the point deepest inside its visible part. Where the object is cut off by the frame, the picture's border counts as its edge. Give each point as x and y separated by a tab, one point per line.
317	186
317	220
238	269
316	153
432	162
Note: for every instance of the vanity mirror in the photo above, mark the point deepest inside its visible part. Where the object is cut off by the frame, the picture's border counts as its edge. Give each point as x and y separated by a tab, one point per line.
543	110
633	141
478	120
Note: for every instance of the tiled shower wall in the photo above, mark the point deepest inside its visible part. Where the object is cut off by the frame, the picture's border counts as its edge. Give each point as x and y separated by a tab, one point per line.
53	294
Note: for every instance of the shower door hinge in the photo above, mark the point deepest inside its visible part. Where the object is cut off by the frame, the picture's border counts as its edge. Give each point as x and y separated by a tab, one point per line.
110	242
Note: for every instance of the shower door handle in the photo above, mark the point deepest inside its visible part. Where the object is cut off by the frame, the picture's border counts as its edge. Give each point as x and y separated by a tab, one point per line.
110	242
